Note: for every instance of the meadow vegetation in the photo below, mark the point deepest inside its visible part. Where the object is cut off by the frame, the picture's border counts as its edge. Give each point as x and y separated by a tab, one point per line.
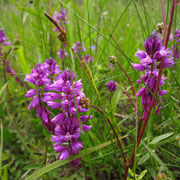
129	133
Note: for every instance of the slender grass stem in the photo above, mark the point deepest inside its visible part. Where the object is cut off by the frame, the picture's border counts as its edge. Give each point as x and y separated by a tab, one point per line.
108	120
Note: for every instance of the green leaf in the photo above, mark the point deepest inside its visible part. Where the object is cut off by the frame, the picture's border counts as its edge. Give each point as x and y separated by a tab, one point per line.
159	138
130	172
32	166
22	60
59	163
115	100
142	174
159	160
143	159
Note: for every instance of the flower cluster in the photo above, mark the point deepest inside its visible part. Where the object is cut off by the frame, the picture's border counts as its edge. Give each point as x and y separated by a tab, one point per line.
66	95
7	64
112	86
71	101
41	76
79	49
151	60
62	54
176	38
61	17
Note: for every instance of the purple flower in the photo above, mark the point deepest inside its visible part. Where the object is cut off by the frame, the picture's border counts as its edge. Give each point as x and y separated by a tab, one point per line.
38	76
61	16
151	60
176	37
41	76
10	70
68	128
62	54
87	58
7	65
112	86
51	67
79	47
68	98
3	39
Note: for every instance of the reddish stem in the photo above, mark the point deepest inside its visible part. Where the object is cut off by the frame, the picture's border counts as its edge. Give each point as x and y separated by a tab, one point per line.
156	90
127	77
120	145
170	23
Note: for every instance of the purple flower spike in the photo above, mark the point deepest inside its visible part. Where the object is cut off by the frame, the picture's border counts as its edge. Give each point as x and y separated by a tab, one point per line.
176	37
68	98
61	17
68	131
112	86
151	61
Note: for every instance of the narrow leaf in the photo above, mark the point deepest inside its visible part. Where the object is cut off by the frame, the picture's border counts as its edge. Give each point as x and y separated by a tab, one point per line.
159	138
143	159
159	160
22	60
59	163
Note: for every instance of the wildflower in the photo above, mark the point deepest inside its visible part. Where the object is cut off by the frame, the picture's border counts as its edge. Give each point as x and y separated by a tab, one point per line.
151	60
61	17
112	86
62	54
7	64
68	98
176	38
79	47
3	39
68	128
87	58
40	76
51	67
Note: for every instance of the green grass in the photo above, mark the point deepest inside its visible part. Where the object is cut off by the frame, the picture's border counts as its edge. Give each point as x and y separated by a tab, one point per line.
24	139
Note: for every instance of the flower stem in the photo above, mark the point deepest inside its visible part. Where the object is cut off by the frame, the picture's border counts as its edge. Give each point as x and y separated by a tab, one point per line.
130	162
108	120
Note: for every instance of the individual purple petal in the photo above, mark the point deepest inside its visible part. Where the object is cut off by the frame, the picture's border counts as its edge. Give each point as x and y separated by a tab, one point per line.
53	105
34	103
57	118
86	128
138	67
85	117
141	54
31	93
162	92
64	155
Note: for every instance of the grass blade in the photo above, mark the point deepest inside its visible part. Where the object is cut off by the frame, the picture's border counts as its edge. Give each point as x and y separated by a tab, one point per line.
159	160
59	163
